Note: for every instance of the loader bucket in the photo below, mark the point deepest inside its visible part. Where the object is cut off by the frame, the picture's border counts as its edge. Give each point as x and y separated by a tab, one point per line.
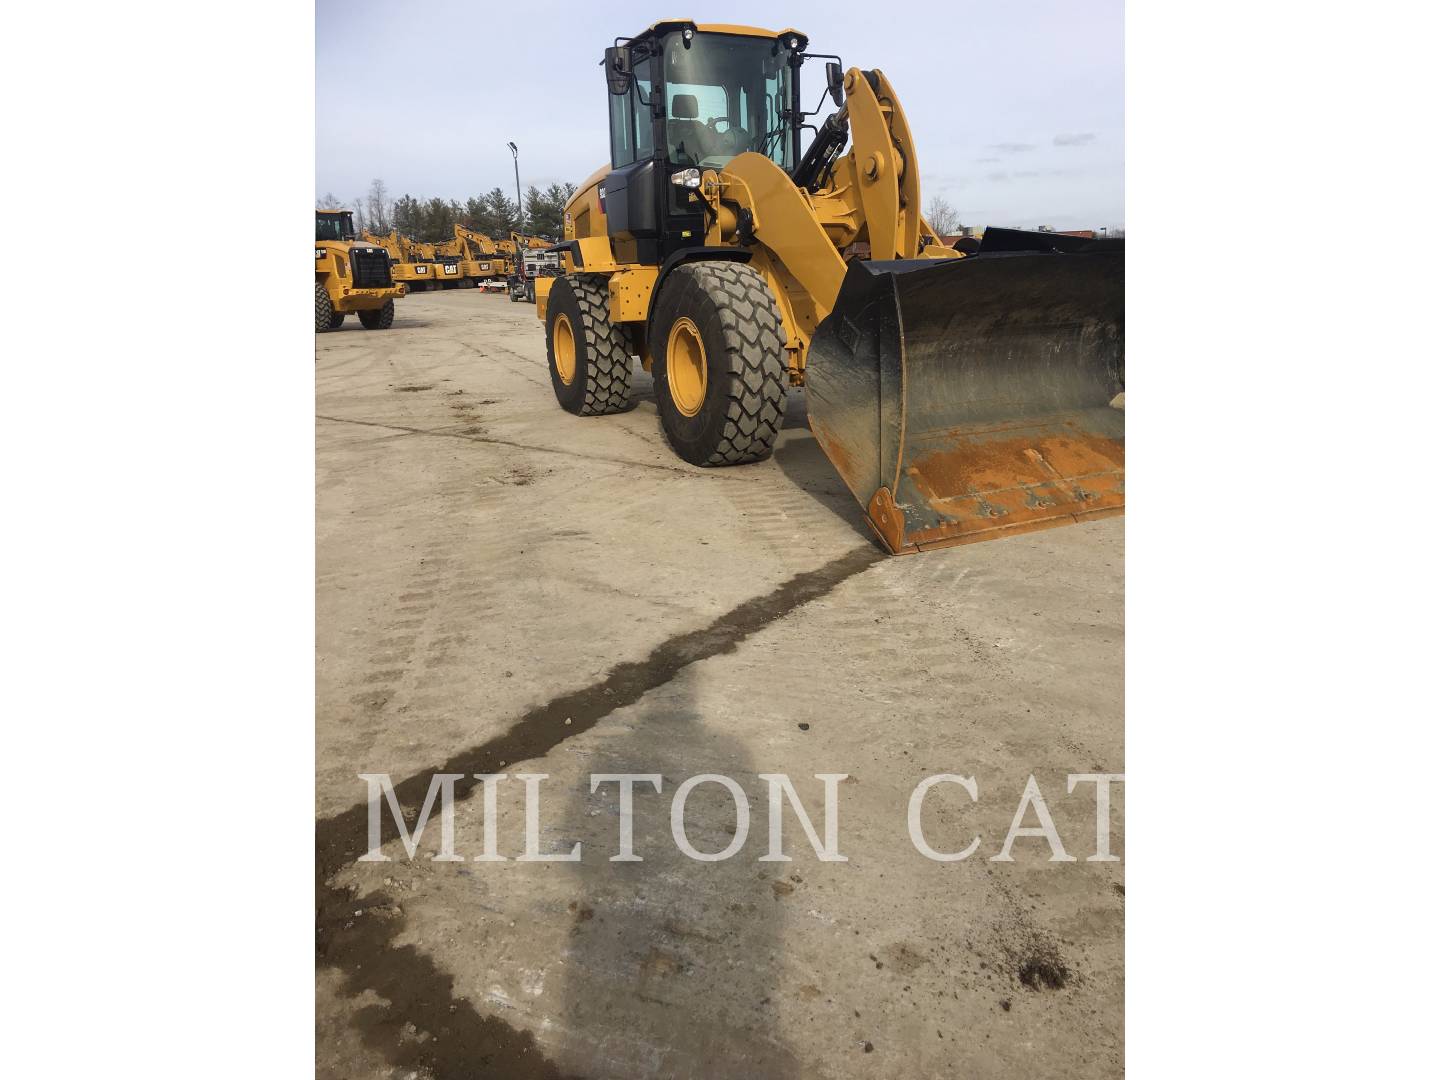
969	399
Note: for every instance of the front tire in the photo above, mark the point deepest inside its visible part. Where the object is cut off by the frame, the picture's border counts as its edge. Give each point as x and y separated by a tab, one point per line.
719	348
324	310
380	318
337	320
589	356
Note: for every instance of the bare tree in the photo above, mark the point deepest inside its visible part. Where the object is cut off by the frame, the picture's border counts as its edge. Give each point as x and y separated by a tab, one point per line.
360	223
943	217
378	207
329	202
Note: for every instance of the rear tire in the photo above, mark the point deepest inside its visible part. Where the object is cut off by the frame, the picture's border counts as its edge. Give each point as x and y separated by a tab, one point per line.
380	318
337	320
324	310
718	323
588	355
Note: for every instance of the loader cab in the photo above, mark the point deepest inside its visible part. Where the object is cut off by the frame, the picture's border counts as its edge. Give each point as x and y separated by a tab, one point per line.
334	225
685	98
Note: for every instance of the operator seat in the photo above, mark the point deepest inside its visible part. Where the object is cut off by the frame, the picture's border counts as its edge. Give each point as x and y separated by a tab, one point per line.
684	127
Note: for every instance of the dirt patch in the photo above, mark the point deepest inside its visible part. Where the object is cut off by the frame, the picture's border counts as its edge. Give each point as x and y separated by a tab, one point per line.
661	964
411	389
903	958
582	912
1041	968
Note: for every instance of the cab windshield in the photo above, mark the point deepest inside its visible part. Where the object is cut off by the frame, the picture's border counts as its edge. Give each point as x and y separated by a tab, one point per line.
725	95
334	227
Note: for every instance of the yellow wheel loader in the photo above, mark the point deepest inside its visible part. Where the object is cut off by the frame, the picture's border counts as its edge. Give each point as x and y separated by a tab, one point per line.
960	397
350	277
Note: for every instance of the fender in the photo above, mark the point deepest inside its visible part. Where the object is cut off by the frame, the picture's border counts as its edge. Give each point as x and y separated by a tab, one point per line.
691	254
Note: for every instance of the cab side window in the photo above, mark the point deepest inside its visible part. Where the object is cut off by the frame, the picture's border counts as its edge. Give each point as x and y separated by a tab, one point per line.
632	135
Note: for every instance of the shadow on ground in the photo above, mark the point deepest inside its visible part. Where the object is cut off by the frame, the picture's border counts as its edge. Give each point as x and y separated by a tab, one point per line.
806	466
672	963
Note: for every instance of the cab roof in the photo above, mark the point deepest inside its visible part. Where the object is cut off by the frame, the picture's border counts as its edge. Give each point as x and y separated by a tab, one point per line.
658	29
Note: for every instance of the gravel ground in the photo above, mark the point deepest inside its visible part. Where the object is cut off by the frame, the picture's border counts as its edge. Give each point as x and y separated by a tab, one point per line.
504	587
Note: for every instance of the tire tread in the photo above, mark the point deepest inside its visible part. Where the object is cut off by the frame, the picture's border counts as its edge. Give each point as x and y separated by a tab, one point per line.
755	347
607	375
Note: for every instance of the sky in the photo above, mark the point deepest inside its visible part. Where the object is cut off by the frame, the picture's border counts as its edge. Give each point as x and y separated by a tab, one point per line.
1016	106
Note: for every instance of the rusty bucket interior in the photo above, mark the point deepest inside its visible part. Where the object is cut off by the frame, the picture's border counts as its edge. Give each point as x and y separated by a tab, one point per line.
969	399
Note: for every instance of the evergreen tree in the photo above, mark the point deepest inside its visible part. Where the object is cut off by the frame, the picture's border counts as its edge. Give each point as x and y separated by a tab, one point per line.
503	216
406	216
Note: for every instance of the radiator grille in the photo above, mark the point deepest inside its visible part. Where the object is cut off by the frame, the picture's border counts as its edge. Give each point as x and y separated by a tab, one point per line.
371	268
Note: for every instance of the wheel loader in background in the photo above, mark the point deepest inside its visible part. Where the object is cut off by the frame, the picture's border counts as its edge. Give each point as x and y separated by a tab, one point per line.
960	397
350	276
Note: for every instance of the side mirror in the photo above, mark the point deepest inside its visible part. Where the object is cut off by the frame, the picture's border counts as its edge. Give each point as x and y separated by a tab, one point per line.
835	82
618	69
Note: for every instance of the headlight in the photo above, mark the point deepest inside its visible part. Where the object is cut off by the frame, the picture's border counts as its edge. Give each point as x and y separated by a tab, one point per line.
687	178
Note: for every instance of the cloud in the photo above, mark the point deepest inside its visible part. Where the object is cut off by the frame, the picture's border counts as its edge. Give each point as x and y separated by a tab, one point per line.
1029	174
943	181
987	160
1079	138
1011	147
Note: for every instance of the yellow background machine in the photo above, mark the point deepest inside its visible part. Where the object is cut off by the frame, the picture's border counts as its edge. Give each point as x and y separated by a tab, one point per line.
350	276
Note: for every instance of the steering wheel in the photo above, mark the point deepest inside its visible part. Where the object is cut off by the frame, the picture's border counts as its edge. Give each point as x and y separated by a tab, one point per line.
714	124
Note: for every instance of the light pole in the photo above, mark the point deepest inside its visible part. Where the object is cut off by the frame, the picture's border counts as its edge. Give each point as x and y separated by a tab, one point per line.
519	206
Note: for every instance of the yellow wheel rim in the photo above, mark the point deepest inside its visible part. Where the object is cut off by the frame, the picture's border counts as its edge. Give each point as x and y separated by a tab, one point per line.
685	367
563	339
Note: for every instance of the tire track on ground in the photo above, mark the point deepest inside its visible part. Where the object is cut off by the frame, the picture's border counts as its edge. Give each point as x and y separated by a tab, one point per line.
491	440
